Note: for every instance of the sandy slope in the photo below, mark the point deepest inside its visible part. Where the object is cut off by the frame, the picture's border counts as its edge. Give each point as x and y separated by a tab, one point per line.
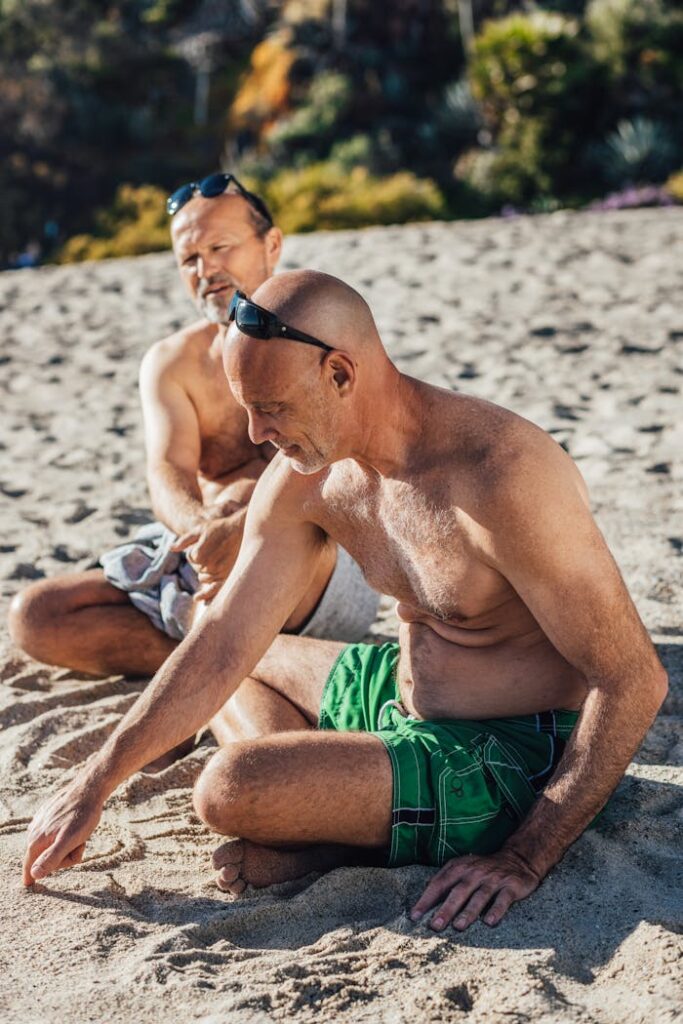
573	321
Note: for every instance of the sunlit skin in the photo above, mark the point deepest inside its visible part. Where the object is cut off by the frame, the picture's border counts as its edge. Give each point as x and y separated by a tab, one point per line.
478	524
201	465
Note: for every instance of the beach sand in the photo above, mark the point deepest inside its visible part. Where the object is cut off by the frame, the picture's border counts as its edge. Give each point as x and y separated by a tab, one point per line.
572	320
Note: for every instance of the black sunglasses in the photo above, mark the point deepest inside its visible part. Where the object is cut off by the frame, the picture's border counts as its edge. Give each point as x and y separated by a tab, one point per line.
257	322
212	187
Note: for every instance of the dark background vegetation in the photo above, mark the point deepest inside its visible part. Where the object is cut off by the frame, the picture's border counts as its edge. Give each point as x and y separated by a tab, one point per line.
342	112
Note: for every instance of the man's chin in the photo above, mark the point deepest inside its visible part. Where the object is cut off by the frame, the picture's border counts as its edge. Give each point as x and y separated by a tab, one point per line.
216	312
306	466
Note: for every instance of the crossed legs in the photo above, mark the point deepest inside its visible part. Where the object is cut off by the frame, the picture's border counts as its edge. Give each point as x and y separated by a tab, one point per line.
298	798
81	621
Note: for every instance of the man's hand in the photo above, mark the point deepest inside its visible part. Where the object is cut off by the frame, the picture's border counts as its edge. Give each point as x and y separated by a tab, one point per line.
59	831
212	547
473	884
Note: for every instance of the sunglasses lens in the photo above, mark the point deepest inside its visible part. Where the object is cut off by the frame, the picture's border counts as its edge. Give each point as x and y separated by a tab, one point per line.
252	321
178	198
214	185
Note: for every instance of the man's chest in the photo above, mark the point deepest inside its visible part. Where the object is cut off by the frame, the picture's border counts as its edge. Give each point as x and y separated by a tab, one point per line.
224	438
412	542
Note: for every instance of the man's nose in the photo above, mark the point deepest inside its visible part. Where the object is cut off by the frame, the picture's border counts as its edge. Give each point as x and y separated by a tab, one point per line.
207	264
259	429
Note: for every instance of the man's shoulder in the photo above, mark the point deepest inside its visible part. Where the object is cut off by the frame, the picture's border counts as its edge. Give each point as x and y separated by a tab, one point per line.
517	464
282	486
179	351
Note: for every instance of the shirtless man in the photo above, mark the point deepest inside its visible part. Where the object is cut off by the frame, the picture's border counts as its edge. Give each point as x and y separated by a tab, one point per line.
511	608
201	468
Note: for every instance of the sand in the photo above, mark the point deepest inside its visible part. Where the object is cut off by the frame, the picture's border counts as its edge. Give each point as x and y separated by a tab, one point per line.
574	321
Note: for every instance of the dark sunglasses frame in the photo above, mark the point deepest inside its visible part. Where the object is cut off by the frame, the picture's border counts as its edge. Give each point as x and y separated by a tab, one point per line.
212	187
268	326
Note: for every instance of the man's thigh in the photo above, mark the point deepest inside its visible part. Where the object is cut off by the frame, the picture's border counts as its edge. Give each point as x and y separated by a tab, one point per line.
298	668
301	787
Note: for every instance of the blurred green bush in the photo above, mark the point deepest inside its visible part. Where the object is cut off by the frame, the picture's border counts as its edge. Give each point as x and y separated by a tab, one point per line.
674	186
135	223
328	195
535	79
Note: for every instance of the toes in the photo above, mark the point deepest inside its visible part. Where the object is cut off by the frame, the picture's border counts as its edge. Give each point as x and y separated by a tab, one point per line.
235	888
231	852
229	874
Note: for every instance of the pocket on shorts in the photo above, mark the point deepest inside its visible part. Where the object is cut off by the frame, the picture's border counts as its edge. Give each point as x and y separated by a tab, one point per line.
481	794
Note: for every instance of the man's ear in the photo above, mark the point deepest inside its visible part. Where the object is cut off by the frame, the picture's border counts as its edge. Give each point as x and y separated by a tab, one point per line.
273	243
343	372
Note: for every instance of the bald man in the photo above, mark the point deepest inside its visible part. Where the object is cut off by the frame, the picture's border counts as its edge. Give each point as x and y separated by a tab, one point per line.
489	737
202	468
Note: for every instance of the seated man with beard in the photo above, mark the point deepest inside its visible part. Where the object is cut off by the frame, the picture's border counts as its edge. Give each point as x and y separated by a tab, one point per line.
201	468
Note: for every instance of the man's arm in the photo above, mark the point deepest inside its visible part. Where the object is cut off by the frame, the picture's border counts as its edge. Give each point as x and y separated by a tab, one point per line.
543	539
275	567
172	442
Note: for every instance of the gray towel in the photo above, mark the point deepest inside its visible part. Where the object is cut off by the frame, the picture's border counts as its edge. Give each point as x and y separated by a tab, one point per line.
161	583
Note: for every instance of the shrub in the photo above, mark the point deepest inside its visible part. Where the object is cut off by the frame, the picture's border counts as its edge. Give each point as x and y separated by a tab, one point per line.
536	81
265	91
640	150
328	98
136	223
327	196
674	186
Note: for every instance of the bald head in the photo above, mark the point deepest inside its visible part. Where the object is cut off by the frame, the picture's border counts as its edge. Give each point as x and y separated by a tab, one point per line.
308	402
323	306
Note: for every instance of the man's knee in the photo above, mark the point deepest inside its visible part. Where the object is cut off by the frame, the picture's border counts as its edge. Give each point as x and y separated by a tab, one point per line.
31	614
227	791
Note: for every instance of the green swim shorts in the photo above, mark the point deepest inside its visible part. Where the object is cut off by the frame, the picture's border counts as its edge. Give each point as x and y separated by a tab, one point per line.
459	786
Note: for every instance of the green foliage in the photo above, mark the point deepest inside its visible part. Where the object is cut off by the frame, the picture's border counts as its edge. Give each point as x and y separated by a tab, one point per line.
135	223
93	93
326	196
640	150
312	125
536	81
557	104
674	186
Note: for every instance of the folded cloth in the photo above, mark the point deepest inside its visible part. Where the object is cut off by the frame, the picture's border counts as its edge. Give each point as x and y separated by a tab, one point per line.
161	583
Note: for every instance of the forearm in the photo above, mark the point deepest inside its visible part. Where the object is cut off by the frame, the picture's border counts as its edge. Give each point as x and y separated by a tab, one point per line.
176	497
192	685
610	729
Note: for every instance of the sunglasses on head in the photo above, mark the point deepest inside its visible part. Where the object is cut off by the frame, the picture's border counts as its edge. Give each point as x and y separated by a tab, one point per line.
212	187
257	322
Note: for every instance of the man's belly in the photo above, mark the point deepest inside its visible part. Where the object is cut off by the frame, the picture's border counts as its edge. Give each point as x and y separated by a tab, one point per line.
439	678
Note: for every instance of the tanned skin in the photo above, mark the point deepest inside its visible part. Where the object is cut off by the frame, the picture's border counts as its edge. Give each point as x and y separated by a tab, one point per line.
477	522
201	464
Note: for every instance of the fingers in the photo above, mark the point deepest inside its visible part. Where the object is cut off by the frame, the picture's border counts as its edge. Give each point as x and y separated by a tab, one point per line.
35	848
208	591
473	886
186	540
499	908
466	904
62	852
439	885
75	857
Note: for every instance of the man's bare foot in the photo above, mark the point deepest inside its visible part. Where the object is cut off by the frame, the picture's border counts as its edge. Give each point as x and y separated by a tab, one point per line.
240	862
